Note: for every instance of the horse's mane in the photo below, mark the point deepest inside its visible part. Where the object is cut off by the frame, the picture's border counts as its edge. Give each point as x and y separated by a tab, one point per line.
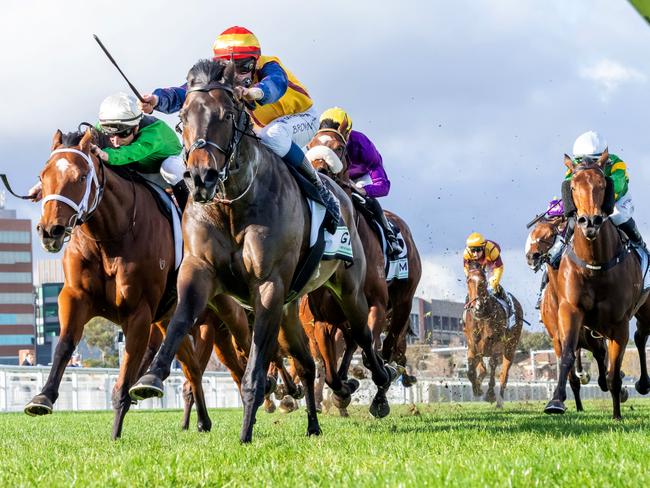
475	266
206	71
71	139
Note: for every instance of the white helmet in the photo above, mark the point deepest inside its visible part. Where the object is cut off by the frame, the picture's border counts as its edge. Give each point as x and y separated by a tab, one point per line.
589	144
119	112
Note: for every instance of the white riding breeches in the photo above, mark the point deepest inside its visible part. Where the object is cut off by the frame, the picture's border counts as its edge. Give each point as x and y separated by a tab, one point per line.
623	210
172	169
297	128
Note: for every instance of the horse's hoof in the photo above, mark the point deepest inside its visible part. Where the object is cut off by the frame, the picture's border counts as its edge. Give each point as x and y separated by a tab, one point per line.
602	383
269	407
314	431
490	396
642	386
40	405
352	384
358	372
341	401
280	391
624	395
149	386
343	412
408	380
555	406
271	386
204	426
299	394
585	378
288	405
379	408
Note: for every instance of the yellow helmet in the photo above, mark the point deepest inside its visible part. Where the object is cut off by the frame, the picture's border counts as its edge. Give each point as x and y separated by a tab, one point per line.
475	240
340	117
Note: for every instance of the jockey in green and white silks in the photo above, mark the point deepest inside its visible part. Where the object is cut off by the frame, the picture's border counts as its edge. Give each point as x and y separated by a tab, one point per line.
592	145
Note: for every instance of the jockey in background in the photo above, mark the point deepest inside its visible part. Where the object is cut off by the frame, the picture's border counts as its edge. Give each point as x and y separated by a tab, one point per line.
280	107
488	255
366	170
554	210
593	145
144	143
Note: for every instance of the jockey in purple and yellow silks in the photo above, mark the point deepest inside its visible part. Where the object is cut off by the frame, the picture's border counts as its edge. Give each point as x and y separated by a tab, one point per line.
365	168
279	104
488	255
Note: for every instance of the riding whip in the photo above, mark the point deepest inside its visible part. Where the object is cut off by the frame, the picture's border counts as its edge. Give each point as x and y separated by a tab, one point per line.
541	216
133	88
5	181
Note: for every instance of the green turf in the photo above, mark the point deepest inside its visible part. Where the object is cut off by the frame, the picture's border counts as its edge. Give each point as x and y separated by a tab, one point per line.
451	445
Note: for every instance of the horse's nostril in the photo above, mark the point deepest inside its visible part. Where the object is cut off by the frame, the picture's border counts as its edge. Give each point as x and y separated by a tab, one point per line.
582	220
57	231
598	221
211	176
536	256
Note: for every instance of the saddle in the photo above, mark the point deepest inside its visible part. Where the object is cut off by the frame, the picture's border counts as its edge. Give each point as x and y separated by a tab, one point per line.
506	301
310	192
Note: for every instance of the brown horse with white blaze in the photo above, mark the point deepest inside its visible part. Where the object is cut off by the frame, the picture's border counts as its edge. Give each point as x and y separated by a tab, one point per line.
488	335
393	299
247	231
600	282
547	234
115	267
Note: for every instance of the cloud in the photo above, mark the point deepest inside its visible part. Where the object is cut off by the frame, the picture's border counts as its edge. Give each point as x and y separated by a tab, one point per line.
609	75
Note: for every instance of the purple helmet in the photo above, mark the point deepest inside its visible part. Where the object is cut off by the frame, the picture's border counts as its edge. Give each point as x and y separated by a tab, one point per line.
555	208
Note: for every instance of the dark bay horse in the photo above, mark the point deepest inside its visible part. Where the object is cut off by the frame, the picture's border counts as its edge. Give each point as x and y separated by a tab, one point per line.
385	300
117	262
246	233
540	241
599	283
488	335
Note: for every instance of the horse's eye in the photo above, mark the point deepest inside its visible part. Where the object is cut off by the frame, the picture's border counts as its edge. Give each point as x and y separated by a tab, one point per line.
229	116
83	178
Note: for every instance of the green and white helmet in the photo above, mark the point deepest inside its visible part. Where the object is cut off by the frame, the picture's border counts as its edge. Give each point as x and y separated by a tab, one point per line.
119	112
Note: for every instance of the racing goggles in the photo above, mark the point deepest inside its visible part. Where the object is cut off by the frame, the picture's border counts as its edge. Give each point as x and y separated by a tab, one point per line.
245	66
117	131
476	249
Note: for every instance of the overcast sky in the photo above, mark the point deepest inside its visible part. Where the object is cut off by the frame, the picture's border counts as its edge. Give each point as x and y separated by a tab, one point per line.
471	103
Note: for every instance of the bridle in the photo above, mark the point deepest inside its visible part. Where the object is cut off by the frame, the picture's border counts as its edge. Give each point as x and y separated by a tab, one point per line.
342	139
240	128
84	209
548	242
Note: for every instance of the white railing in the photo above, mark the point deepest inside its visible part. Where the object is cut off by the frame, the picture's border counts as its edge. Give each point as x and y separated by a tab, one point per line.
91	388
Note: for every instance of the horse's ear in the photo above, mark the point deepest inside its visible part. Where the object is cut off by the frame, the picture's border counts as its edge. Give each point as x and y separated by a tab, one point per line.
57	139
229	74
568	162
86	140
604	158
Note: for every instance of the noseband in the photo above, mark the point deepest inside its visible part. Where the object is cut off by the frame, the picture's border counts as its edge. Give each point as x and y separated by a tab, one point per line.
232	151
342	138
84	209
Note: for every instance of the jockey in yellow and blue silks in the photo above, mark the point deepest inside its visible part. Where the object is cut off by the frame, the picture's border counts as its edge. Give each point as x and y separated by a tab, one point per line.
280	106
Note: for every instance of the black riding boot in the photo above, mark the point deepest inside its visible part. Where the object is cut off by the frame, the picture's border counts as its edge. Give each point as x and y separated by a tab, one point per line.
331	203
632	232
394	248
181	194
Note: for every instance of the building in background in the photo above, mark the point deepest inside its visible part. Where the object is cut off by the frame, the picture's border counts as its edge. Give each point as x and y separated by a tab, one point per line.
16	289
48	284
437	322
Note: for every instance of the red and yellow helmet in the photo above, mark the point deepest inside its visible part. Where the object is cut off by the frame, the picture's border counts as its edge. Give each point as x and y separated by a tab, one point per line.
236	43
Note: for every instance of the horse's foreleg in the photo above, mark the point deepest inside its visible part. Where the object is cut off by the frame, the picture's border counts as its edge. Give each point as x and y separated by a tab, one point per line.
268	305
297	343
570	321
203	339
136	333
640	340
616	351
472	363
345	348
324	336
490	396
75	309
195	286
227	355
190	358
503	377
574	382
398	325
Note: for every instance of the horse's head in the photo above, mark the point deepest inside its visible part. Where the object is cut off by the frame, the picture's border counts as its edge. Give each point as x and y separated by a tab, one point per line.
477	288
211	116
71	191
540	241
327	149
592	193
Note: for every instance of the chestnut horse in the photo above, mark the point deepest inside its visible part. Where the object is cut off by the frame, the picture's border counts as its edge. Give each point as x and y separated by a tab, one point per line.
599	283
488	335
116	266
246	233
545	235
385	300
